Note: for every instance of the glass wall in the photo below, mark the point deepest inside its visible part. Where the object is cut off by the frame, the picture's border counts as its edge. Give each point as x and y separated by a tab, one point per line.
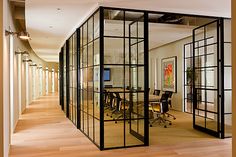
61	79
106	84
227	80
65	79
73	78
112	94
123	78
212	105
90	78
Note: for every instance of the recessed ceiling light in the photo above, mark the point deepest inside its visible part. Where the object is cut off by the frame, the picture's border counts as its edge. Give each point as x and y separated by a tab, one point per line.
50	26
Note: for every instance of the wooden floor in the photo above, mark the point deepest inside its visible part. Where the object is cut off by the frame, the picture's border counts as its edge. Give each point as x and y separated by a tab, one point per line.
43	131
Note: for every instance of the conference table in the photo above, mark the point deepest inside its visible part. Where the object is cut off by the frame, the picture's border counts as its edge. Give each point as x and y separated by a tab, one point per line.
137	96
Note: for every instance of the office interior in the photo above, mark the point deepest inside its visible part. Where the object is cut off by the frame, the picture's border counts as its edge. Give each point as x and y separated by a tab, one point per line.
112	72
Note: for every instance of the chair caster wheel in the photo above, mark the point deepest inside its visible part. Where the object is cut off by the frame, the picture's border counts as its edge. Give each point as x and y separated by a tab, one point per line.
165	126
150	125
111	116
174	118
116	122
170	123
107	114
168	116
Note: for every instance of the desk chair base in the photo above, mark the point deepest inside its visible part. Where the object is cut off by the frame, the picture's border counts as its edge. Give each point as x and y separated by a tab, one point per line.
170	115
161	120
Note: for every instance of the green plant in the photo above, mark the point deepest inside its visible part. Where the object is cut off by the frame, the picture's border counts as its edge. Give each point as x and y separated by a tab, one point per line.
189	72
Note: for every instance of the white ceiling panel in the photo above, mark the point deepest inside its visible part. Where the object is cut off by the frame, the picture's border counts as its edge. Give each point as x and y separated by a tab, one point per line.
50	23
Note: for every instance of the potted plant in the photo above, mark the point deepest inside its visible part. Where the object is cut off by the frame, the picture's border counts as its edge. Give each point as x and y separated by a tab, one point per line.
189	74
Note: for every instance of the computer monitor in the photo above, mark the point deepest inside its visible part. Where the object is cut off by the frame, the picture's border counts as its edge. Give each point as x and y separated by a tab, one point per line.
107	74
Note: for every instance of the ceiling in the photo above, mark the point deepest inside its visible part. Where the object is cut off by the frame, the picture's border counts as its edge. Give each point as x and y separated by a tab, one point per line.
50	23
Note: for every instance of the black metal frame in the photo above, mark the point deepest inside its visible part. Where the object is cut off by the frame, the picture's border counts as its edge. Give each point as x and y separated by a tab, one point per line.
61	77
101	66
220	132
190	45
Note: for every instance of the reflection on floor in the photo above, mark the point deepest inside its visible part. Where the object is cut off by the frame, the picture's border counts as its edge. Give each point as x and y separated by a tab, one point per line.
44	131
181	130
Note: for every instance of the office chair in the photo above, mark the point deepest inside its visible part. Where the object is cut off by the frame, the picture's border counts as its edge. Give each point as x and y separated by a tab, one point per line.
169	102
110	101
161	108
106	98
116	105
156	92
124	111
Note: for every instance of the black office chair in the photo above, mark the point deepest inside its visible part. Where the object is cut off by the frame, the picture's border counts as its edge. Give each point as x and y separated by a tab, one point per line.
110	101
169	103
160	109
116	107
139	88
156	92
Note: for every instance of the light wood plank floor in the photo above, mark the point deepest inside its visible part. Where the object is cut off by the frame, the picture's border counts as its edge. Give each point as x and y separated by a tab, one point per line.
44	131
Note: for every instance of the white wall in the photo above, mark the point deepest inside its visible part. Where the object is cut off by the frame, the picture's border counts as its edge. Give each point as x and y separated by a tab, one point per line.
155	57
177	49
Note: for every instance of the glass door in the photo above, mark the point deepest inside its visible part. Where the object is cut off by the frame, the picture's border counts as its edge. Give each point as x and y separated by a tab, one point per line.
136	82
207	96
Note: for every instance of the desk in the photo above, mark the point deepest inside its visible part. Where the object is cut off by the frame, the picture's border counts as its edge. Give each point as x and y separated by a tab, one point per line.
116	90
136	96
140	97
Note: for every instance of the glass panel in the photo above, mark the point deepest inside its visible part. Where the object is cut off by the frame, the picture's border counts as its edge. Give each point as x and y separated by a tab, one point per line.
96	78
113	134
96	25
114	76
227	54
84	55
85	34
228	78
200	120
97	131
85	123
228	125
113	23
134	20
97	105
228	101
90	54
90	30
90	103
211	123
113	51
96	52
91	127
90	78
138	125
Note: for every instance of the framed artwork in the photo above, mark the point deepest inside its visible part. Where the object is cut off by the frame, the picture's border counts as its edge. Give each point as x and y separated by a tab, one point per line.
169	74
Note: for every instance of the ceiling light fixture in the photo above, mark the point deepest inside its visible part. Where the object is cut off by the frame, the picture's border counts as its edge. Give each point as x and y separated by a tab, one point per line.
27	60
22	52
22	35
33	64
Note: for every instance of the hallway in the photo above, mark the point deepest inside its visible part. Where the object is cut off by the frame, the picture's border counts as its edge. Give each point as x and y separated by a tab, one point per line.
44	131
